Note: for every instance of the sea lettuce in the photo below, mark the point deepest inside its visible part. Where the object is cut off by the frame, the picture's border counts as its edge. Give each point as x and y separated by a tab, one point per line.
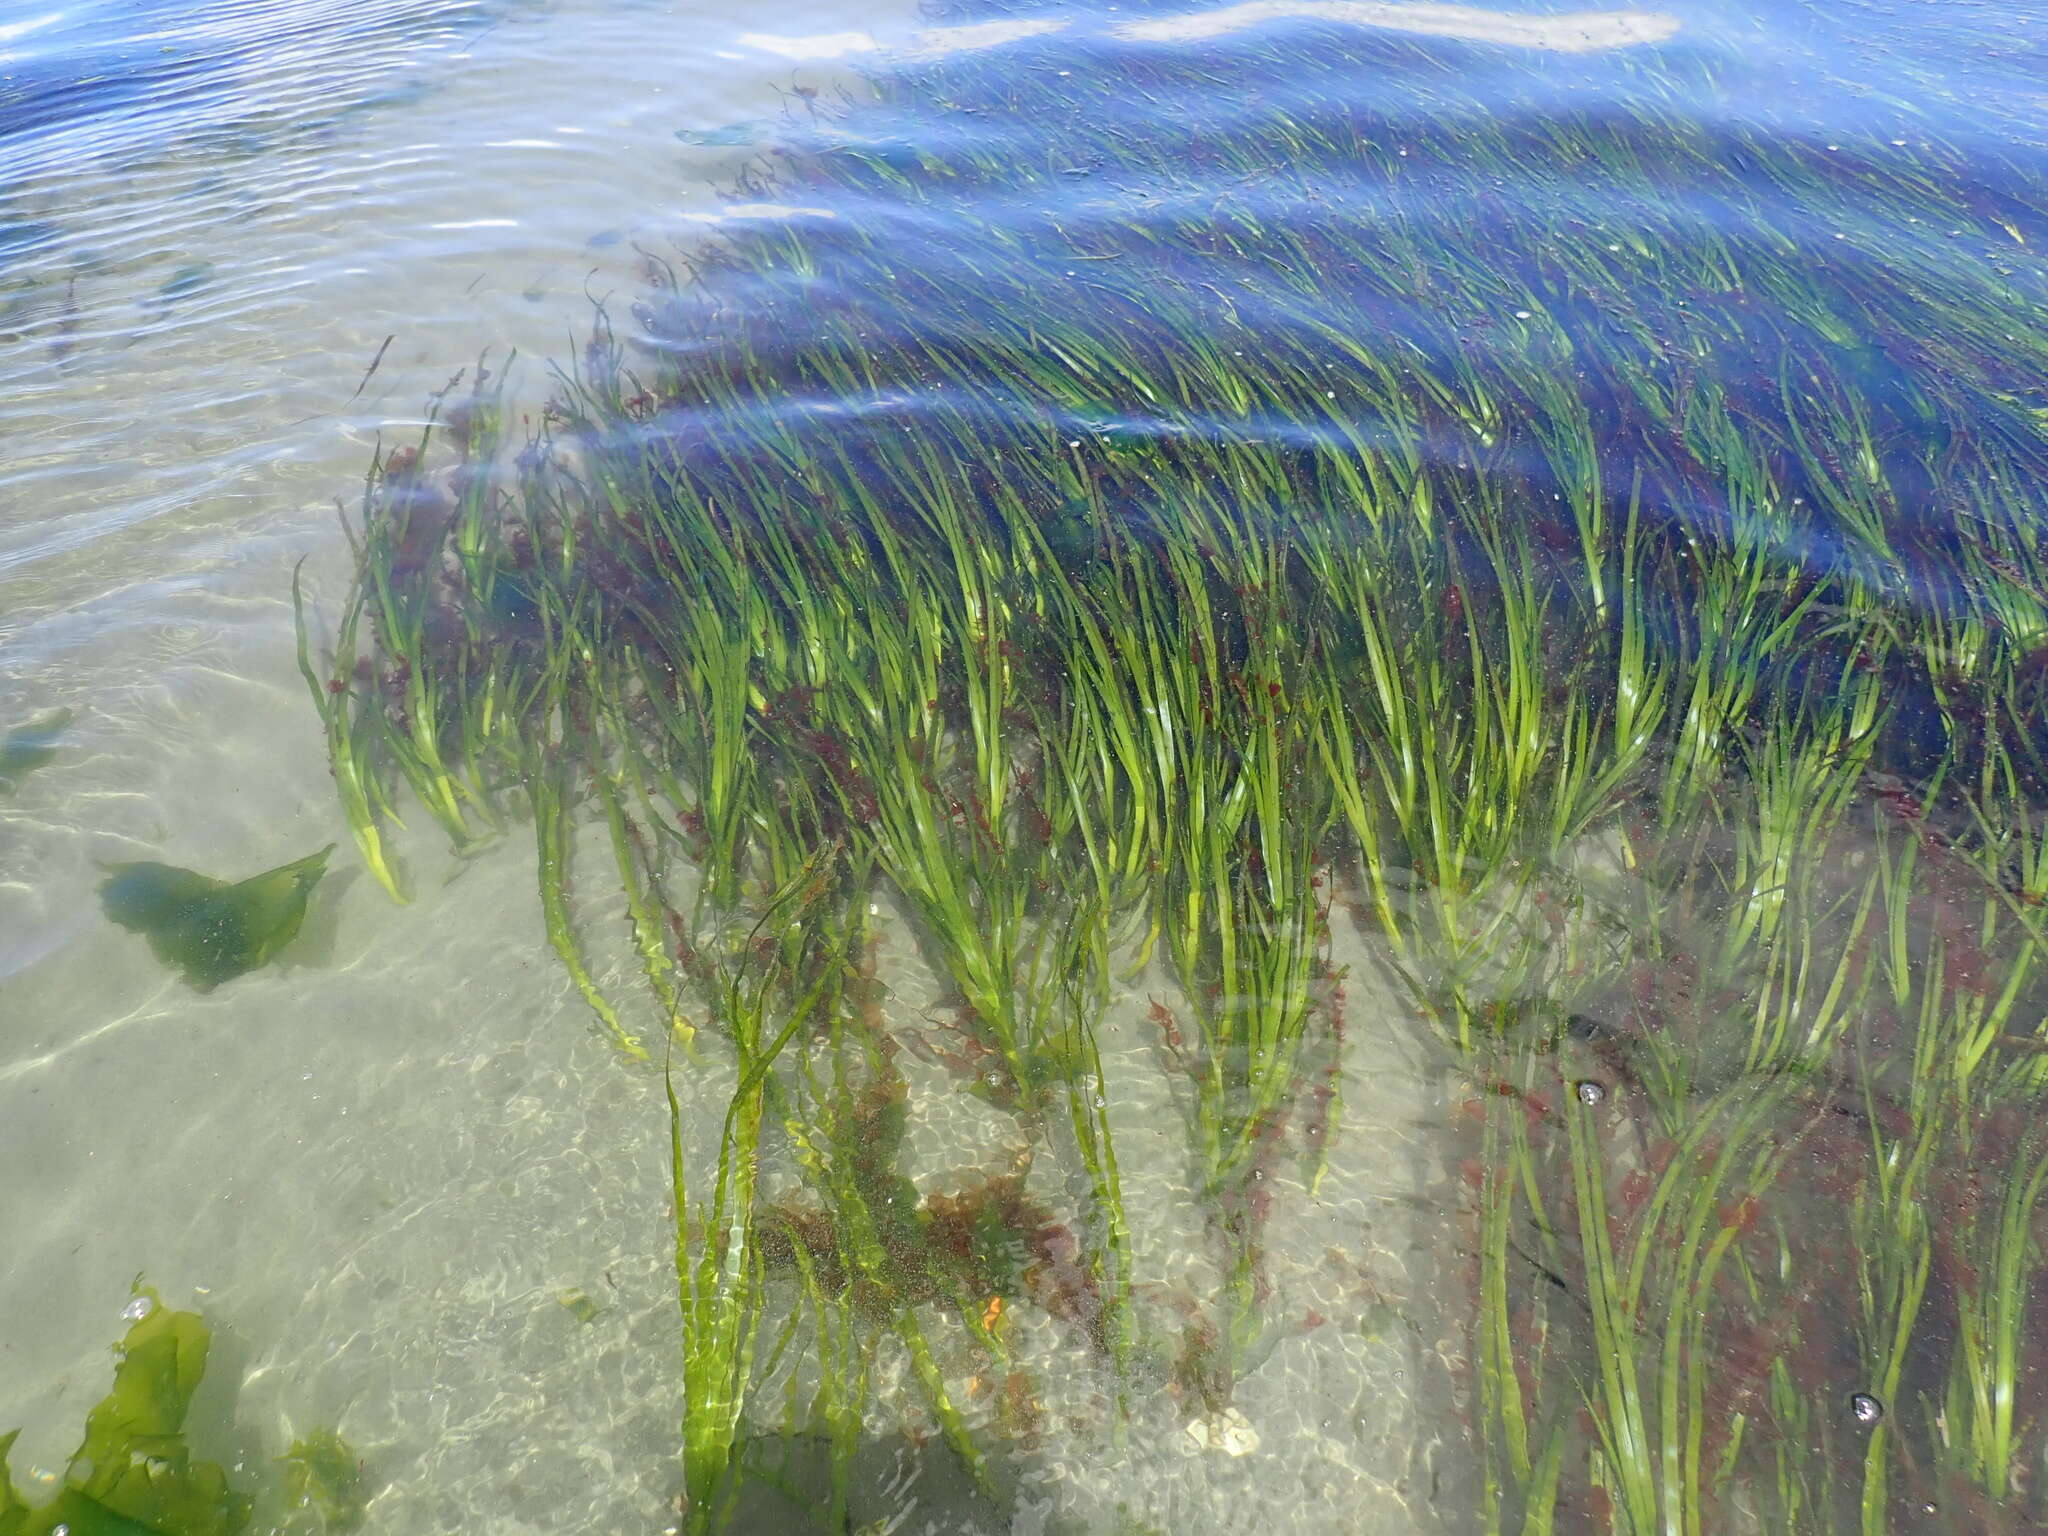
212	930
133	1474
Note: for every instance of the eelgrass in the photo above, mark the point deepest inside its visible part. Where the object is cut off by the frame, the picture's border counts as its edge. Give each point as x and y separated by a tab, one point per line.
1643	615
768	989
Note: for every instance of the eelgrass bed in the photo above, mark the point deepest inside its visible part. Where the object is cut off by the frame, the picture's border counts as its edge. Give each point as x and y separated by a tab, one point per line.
1149	504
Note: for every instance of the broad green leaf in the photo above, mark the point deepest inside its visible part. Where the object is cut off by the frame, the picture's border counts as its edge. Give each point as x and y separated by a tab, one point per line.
133	1475
13	1513
212	930
162	1361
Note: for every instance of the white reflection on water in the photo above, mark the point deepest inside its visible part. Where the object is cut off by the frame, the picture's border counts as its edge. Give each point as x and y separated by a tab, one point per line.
1575	32
1572	32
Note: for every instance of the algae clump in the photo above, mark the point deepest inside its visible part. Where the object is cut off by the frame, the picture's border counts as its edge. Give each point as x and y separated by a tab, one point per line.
325	1479
133	1474
29	747
212	930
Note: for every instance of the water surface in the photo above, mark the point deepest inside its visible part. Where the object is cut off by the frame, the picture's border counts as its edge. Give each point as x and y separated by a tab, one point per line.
241	249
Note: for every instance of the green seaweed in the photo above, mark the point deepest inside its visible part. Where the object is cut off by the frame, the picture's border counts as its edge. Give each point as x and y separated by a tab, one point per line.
29	747
1635	625
189	279
133	1474
326	1483
212	930
14	1513
730	136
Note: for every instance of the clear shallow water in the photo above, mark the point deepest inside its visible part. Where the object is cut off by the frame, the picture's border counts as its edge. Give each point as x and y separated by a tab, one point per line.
215	221
378	1165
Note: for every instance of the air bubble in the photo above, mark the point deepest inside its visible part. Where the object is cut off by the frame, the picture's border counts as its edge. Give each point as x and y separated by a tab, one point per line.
1867	1409
1590	1092
136	1311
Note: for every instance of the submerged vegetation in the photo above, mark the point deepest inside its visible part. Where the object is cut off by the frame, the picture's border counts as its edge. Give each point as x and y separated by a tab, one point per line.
133	1471
1163	504
31	746
209	930
327	1485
